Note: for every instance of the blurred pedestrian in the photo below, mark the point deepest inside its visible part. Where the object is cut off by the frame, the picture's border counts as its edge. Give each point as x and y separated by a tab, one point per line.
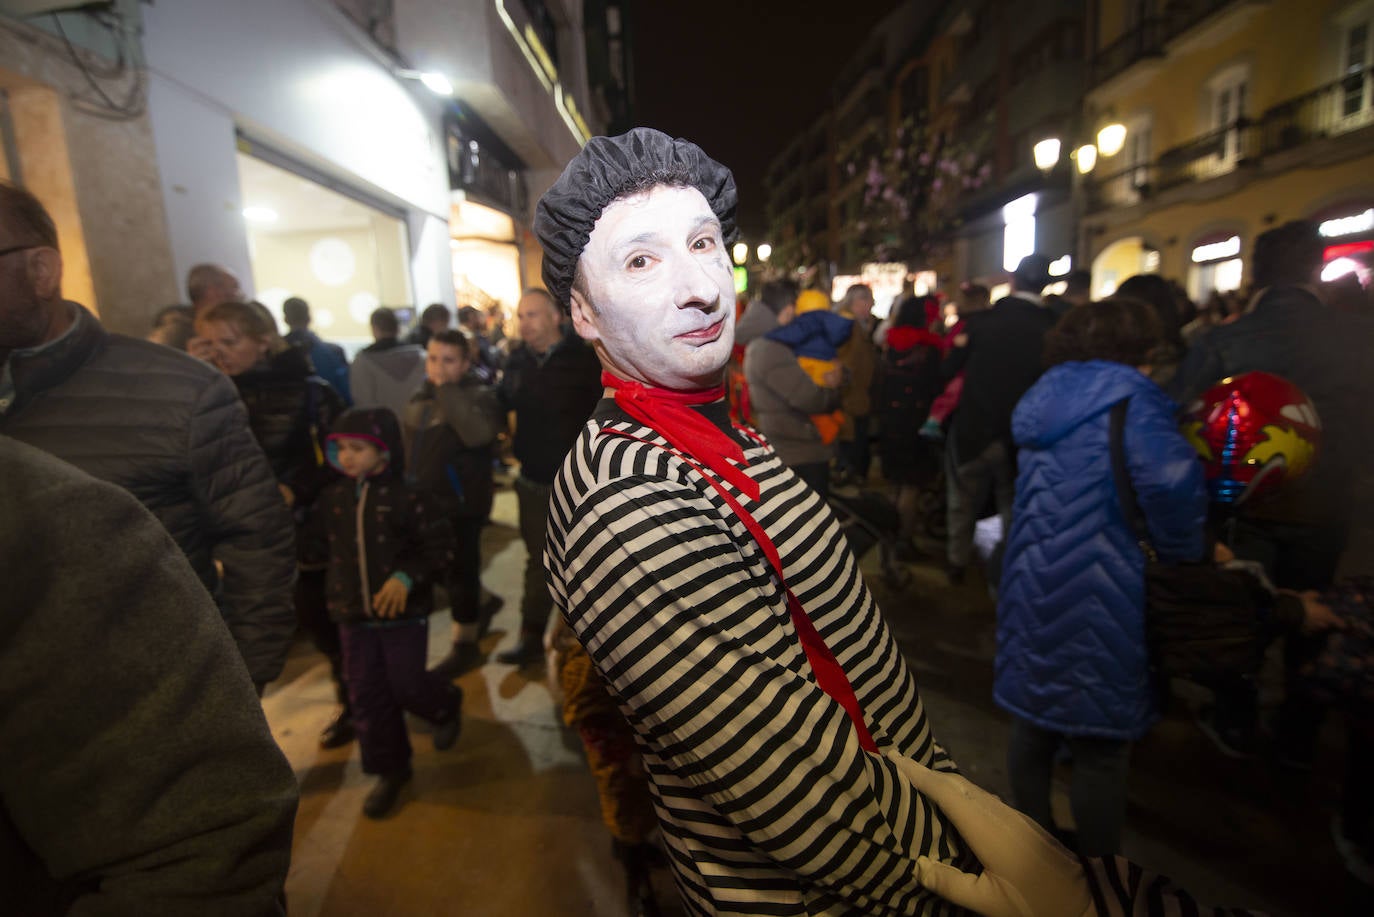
163	426
211	284
451	426
173	326
329	360
551	384
435	318
783	396
1072	664
386	372
860	358
290	410
999	354
908	381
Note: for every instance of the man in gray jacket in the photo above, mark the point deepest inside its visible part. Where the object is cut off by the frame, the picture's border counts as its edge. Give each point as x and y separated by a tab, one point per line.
782	394
164	426
386	373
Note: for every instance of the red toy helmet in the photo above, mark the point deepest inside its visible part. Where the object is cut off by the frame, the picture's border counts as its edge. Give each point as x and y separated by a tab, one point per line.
1254	431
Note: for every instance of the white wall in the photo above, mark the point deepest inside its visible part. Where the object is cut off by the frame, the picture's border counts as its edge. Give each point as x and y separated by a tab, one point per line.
297	75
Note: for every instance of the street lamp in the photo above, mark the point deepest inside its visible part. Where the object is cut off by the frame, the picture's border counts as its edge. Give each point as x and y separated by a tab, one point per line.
1111	139
739	252
434	81
1047	154
1086	157
763	251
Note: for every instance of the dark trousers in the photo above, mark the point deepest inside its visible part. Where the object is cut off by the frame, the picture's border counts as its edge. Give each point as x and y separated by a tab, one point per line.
970	482
854	455
385	670
1097	793
817	475
312	610
537	603
465	576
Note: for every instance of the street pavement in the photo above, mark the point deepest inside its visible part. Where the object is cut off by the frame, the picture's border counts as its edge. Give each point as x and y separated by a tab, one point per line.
506	823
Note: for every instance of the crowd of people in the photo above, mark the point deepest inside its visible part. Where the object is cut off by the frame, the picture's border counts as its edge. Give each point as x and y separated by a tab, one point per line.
1028	411
673	531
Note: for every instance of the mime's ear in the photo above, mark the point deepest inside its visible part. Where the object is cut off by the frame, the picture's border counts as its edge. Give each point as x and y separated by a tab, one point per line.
583	316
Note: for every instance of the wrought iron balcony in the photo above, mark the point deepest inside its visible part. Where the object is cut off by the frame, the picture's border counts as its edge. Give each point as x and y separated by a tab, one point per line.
1144	41
1336	108
1147	40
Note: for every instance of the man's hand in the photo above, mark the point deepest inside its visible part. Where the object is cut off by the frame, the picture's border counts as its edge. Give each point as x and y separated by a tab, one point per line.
1026	873
201	349
1222	554
1317	615
390	600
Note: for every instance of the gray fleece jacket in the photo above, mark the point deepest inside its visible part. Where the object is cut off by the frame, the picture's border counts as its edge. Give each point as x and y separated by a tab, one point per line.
782	394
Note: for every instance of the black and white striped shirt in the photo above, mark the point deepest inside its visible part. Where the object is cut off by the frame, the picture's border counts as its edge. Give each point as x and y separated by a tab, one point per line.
768	803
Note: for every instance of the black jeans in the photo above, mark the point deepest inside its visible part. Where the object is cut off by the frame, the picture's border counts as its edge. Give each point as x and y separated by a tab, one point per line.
312	611
465	576
536	604
854	455
1097	793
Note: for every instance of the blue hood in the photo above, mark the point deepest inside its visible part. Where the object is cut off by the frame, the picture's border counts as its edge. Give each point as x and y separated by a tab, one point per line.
814	334
1071	394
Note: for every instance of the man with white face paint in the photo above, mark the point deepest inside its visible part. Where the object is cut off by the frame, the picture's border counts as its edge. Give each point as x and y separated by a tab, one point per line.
793	767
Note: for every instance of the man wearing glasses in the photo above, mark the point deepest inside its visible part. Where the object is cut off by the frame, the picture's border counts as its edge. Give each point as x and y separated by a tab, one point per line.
162	425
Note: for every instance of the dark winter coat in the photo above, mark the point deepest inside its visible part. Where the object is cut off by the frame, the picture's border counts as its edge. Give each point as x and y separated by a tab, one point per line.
172	431
329	360
552	399
450	431
401	531
1071	654
908	380
138	775
1000	362
291	411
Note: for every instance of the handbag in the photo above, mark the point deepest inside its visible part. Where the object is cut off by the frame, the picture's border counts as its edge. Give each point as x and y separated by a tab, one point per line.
1200	619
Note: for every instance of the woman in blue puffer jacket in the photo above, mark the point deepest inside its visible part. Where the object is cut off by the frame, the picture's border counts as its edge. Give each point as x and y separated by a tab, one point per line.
1072	665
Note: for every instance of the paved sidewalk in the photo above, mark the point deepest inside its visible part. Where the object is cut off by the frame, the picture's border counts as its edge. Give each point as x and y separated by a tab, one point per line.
505	824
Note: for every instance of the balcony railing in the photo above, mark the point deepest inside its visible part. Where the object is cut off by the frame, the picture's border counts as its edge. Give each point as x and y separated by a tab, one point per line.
1145	40
1148	38
1333	109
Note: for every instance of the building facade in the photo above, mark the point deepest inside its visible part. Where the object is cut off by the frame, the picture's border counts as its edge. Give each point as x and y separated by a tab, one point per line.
928	146
305	144
1240	116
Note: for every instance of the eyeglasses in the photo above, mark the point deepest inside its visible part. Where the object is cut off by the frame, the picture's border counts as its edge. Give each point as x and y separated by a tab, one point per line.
16	248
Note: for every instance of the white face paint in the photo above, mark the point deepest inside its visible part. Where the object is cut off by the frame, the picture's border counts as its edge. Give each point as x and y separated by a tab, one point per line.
660	303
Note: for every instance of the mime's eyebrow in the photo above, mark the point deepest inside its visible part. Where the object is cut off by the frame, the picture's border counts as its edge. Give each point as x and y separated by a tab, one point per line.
644	238
653	236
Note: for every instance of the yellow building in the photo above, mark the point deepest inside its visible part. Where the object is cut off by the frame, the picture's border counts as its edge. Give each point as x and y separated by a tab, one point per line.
1240	115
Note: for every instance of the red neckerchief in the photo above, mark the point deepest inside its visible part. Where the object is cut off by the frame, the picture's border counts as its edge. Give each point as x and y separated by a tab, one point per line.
670	414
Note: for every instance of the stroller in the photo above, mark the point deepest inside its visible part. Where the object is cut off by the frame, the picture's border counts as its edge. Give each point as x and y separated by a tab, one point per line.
869	518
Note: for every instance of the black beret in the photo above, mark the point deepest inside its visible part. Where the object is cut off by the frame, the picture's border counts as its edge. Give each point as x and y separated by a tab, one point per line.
609	168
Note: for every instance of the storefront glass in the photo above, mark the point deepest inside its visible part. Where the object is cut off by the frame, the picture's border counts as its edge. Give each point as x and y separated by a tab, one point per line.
340	255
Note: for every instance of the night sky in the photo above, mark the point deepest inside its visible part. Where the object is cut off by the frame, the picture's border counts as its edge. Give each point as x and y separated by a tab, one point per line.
742	77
